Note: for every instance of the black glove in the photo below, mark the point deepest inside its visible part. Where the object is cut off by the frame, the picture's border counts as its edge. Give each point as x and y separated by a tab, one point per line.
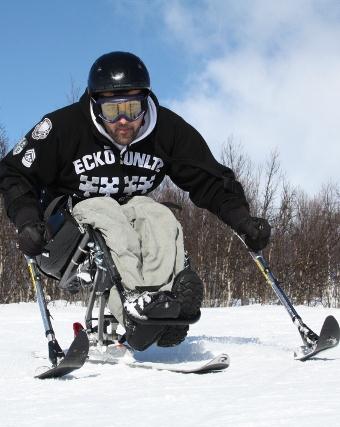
32	238
257	232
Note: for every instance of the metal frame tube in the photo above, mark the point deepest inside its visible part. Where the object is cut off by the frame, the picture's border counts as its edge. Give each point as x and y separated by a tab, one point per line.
36	281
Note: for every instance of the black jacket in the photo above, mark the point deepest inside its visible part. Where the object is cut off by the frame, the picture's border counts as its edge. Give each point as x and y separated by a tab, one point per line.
66	154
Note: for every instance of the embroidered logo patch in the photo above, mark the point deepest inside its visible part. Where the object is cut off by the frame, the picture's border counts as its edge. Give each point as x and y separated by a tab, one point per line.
42	129
20	146
28	158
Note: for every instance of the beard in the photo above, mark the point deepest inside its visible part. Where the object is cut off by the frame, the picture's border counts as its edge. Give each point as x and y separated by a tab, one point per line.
123	134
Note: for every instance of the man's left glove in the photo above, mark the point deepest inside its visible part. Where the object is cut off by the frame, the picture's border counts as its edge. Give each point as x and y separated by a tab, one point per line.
257	232
32	238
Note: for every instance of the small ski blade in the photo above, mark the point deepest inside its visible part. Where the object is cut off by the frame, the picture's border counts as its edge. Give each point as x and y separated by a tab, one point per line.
329	337
74	359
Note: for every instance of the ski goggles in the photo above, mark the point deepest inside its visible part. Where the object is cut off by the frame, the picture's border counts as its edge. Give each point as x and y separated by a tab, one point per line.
112	109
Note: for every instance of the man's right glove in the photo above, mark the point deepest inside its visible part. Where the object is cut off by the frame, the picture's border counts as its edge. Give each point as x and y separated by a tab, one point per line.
32	238
256	230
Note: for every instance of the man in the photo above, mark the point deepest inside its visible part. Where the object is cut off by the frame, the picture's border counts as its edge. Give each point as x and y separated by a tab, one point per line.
106	152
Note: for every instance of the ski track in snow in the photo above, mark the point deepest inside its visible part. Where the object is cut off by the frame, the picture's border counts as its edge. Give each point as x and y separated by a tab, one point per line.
264	385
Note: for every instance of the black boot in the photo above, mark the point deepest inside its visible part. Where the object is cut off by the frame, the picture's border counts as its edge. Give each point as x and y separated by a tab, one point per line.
139	336
153	305
188	290
149	305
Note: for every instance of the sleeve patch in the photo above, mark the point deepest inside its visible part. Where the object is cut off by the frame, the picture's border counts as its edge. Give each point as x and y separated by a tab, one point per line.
42	129
19	146
29	158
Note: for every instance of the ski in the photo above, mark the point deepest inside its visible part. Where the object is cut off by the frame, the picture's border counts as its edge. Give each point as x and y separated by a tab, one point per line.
75	358
114	355
217	363
329	337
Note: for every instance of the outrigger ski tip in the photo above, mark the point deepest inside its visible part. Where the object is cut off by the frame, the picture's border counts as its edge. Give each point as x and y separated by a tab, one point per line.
329	337
74	359
314	344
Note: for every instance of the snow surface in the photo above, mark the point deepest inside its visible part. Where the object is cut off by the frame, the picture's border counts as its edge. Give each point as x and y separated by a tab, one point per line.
264	386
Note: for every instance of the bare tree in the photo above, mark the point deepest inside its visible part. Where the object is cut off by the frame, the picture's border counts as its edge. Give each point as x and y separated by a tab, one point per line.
271	184
74	93
3	142
304	252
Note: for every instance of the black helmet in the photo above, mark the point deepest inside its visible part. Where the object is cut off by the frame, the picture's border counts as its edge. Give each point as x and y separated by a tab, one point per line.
116	71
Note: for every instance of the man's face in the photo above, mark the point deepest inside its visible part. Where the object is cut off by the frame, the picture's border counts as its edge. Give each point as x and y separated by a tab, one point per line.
123	131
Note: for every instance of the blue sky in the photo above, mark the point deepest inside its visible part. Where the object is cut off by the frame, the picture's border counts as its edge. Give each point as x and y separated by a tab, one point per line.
45	45
263	73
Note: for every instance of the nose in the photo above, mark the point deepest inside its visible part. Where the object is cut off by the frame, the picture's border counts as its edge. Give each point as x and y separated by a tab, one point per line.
122	121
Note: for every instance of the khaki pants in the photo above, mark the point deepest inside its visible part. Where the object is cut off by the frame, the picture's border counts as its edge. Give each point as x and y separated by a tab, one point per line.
145	240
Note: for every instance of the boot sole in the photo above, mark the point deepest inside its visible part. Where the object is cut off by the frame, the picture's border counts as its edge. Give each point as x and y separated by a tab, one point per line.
189	292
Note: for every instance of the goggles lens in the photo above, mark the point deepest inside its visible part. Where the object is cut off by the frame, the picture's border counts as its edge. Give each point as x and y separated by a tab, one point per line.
113	109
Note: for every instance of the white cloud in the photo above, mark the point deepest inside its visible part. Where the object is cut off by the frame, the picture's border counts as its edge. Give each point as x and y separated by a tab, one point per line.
271	78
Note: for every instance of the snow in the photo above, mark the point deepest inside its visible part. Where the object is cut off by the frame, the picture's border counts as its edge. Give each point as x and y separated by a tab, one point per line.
264	386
